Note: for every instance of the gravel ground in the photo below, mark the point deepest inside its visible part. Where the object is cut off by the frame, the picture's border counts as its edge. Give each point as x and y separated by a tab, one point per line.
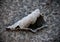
13	10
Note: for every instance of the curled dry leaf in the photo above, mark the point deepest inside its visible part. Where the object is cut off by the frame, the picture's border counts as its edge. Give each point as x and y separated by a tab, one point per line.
32	22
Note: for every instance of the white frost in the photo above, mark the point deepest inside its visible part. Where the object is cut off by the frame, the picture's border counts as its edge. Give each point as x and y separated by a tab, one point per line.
26	21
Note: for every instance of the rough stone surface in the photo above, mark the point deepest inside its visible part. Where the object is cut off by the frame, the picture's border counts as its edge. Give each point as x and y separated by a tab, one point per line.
13	10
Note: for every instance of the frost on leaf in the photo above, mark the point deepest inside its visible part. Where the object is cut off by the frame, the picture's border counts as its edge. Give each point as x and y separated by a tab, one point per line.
32	22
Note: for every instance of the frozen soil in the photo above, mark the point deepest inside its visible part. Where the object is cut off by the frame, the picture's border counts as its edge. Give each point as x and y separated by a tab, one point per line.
13	10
